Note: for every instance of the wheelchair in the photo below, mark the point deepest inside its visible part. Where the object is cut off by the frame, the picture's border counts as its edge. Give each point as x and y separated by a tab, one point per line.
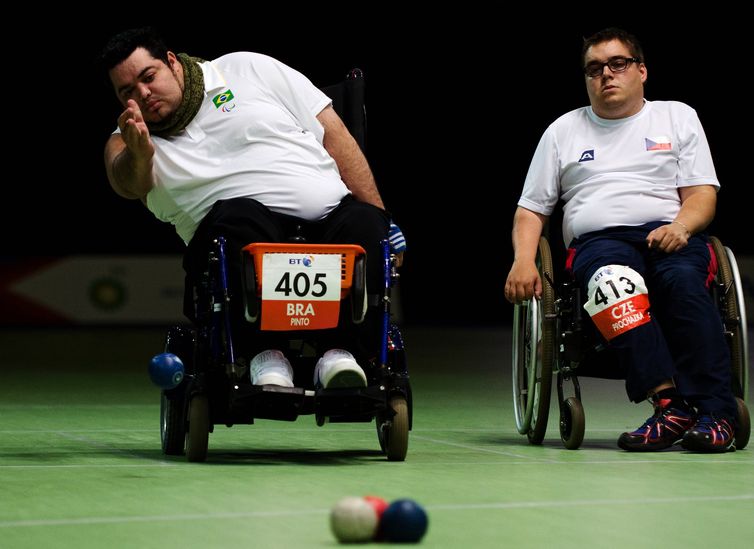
298	289
551	337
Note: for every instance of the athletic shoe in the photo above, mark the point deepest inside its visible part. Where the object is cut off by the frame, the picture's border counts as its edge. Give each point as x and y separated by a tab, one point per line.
665	428
338	369
271	368
710	434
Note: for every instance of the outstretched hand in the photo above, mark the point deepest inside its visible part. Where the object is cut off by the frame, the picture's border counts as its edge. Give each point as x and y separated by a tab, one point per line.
135	133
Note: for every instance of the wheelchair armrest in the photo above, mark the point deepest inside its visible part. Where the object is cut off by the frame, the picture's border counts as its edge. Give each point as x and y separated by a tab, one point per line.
249	283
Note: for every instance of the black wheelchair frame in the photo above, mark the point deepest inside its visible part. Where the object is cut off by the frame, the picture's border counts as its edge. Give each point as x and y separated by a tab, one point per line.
217	389
550	336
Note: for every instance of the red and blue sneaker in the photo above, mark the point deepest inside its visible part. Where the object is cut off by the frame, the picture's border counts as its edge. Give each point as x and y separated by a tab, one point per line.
710	434
664	429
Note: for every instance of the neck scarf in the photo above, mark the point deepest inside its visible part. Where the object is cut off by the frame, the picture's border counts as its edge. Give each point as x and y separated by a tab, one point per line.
193	94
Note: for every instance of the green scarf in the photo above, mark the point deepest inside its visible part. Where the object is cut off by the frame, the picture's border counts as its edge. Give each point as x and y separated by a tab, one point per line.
193	94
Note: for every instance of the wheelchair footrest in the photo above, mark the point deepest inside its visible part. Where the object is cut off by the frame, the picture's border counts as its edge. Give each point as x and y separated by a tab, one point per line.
270	402
350	405
250	402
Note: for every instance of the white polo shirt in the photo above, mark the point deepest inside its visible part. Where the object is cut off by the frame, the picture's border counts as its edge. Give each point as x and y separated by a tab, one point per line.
618	172
256	135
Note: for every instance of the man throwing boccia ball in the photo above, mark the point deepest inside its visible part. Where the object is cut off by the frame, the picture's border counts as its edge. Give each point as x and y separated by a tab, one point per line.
246	148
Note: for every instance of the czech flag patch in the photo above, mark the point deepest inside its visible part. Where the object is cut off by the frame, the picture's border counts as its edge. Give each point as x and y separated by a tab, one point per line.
661	143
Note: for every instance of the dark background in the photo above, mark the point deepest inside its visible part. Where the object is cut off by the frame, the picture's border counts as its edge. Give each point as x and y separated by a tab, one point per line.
456	100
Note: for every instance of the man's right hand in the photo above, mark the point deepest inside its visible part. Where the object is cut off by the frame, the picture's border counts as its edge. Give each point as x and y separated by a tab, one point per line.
135	133
523	282
129	155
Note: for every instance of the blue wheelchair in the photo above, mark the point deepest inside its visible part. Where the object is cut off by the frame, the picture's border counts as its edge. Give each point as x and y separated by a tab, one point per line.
551	337
216	387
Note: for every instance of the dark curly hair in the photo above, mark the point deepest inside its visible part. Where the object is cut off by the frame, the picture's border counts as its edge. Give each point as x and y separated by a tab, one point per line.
123	44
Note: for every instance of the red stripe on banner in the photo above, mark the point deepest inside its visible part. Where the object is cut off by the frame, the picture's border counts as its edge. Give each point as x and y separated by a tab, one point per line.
16	310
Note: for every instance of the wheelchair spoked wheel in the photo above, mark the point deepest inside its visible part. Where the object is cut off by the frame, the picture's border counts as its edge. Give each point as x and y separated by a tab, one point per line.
172	424
534	353
393	433
197	434
734	316
743	425
572	423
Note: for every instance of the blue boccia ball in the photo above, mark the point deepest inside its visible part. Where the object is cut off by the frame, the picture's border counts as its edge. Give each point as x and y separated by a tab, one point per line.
166	370
404	521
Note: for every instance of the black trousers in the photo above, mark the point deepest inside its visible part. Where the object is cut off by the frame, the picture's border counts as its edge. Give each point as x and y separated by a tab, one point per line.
242	221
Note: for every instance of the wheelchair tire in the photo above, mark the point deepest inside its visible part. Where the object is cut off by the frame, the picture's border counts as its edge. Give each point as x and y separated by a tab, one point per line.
180	341
743	425
359	291
172	424
534	353
197	435
393	433
572	423
734	316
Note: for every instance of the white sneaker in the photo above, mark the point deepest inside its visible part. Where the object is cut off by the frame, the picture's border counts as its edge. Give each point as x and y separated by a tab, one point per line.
337	368
271	368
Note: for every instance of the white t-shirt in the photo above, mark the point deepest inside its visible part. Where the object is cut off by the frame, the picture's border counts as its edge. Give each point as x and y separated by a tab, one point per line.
618	172
256	135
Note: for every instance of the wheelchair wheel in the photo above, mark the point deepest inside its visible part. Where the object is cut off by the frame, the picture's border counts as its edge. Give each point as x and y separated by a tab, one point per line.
572	423
172	424
197	435
393	433
180	341
534	353
734	317
743	425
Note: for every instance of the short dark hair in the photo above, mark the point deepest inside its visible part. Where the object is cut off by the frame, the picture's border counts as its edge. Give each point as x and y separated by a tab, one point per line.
123	44
613	33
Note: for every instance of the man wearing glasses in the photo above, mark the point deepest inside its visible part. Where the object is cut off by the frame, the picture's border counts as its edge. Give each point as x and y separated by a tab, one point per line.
639	187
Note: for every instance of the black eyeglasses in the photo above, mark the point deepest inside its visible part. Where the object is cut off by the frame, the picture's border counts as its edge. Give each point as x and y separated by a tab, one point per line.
615	64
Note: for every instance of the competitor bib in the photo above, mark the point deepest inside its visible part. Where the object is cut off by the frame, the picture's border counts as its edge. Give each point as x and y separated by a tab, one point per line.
618	300
300	291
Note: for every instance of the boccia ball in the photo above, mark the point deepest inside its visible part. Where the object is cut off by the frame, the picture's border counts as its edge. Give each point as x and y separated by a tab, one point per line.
166	370
404	521
353	520
378	504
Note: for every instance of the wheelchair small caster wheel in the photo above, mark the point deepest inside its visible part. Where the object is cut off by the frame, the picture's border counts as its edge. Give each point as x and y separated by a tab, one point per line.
572	423
197	435
392	433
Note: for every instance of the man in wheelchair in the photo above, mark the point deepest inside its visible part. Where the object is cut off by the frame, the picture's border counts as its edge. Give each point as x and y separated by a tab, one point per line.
248	149
639	188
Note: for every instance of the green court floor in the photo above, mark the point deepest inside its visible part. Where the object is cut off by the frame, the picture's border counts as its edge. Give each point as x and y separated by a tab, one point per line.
80	461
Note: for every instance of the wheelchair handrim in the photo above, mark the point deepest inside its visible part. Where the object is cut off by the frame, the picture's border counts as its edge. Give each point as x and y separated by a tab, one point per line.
531	320
743	325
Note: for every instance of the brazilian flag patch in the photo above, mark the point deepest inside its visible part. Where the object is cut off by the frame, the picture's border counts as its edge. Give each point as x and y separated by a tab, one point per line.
221	98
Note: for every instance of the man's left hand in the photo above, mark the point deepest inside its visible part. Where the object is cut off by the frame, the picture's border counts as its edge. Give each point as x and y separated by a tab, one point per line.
669	238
